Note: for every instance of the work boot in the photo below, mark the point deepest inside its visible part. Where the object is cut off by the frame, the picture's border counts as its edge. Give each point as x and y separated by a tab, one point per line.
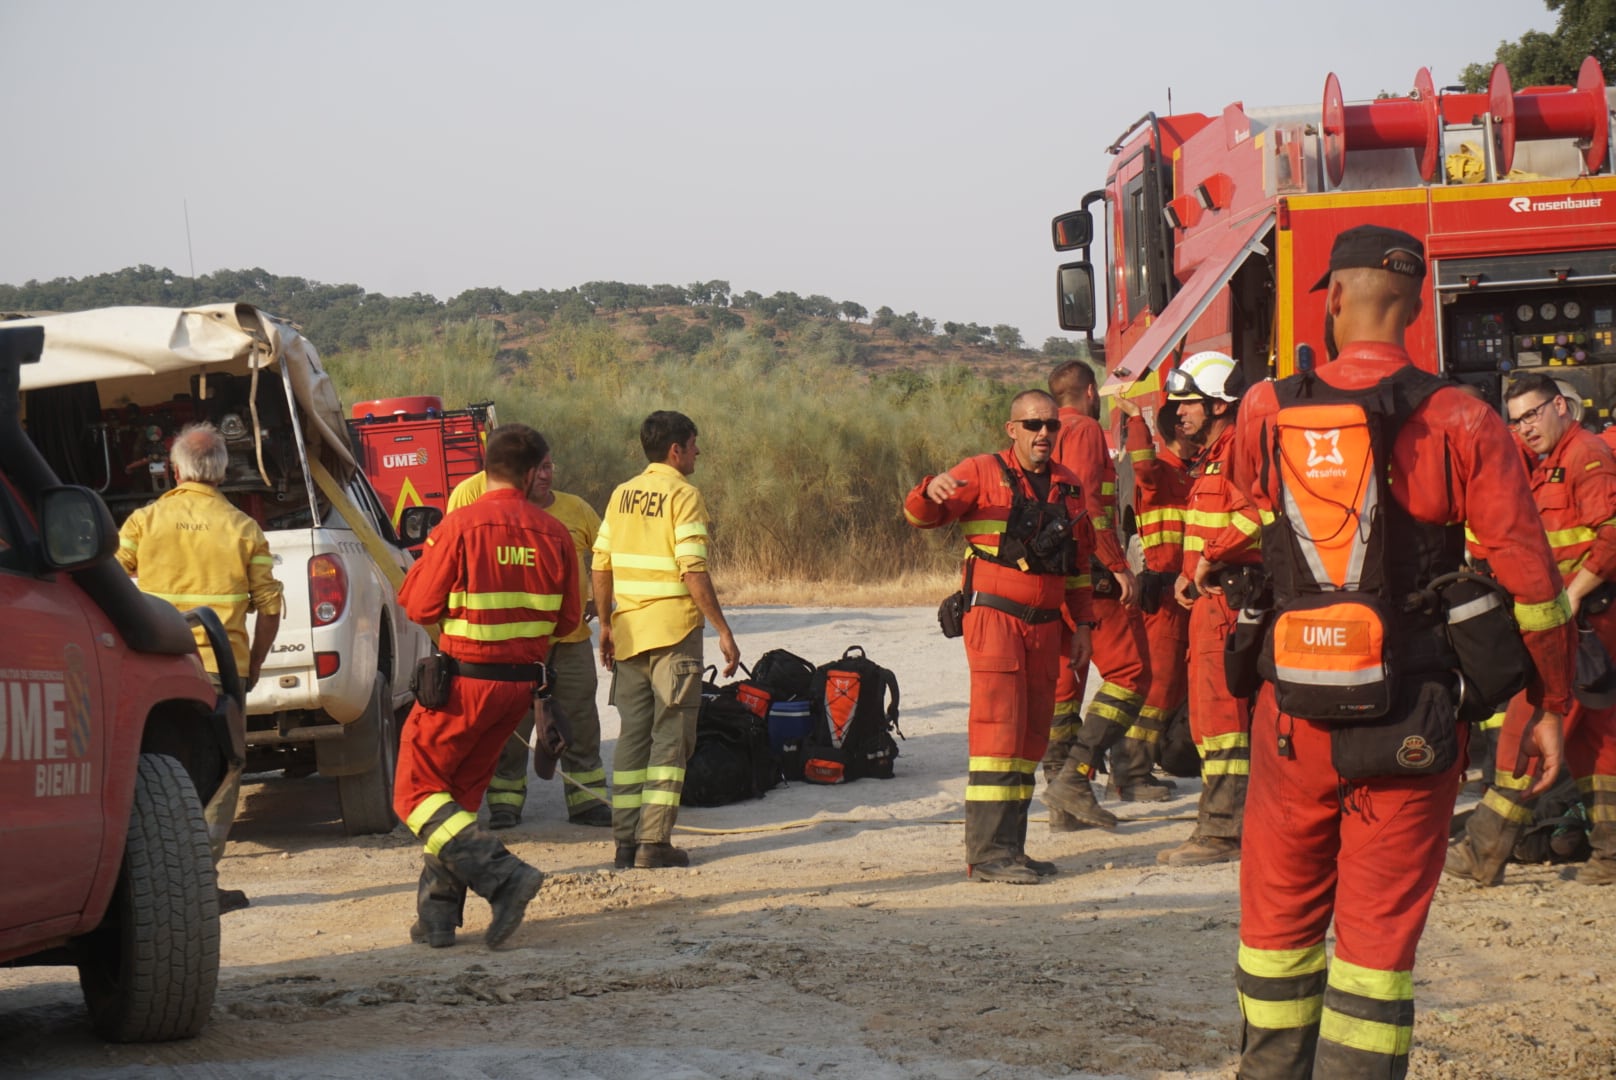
1061	821
506	882
1019	824
440	901
503	817
1482	852
1041	867
1146	789
1072	793
660	856
1201	851
597	815
1596	872
1132	763
623	857
1003	872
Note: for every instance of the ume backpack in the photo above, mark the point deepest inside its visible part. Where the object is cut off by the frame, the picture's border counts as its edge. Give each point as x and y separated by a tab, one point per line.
850	735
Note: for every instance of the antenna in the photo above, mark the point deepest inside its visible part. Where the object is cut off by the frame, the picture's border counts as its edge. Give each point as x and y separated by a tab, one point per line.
1169	101
186	203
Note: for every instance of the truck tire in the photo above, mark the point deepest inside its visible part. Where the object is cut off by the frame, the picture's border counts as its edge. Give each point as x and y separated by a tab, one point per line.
150	970
367	797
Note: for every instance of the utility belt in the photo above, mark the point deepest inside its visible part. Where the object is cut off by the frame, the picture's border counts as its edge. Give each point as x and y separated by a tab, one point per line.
1154	587
1027	613
436	671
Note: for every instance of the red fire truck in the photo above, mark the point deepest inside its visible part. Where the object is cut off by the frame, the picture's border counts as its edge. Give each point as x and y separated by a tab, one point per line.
415	451
1216	227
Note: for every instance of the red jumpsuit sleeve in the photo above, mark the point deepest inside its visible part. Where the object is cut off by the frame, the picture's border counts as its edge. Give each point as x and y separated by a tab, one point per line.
427	584
1140	446
1082	449
922	513
1079	590
572	608
1493	496
1594	493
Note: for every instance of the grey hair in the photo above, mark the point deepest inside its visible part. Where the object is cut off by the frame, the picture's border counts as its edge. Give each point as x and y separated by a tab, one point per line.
199	453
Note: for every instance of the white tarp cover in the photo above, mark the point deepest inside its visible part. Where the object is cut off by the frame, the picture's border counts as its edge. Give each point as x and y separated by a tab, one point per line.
124	347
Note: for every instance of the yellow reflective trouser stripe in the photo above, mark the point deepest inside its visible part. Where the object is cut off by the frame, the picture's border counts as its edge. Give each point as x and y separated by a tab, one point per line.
1602	813
499	783
651	588
1234	740
998	792
450	829
202	598
1577	534
1068	708
689	529
1505	809
1371	982
630	776
1510	781
1152	712
507	798
1496	720
590	777
1281	1015
1545	616
425	809
625	560
623	801
262	560
1120	693
655	797
1588	784
1370	1036
1281	963
1110	712
1143	734
505	601
1226	767
579	796
1066	732
691	549
1000	764
668	773
509	631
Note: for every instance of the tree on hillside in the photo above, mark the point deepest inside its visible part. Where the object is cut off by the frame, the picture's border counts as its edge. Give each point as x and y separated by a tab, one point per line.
1586	28
1008	337
852	311
1064	348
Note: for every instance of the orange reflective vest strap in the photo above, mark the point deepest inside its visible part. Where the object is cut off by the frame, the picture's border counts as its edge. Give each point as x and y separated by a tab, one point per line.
438	819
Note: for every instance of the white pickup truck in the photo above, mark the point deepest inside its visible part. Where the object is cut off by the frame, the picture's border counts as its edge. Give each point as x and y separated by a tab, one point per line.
113	388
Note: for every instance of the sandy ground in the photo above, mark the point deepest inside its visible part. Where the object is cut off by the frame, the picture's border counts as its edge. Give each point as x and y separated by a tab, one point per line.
825	932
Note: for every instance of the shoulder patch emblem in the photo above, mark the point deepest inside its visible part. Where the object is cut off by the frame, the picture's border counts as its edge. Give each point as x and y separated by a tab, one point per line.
1556	475
1213	468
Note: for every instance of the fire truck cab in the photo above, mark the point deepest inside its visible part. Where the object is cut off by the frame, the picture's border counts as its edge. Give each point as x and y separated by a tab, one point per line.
1216	228
415	451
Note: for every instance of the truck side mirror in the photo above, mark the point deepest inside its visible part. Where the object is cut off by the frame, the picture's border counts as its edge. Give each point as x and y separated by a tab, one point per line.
1073	230
416	523
77	527
1074	285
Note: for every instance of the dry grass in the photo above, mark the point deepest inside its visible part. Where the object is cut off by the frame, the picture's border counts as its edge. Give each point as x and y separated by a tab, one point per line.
917	589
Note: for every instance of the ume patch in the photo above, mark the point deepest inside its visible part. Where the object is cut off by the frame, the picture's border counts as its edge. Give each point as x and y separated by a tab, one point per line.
1333	637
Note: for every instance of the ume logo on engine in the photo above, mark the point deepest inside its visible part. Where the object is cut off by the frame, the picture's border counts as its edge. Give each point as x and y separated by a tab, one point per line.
404	461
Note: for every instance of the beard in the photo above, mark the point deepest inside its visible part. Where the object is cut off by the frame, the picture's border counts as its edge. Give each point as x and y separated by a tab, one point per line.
1331	350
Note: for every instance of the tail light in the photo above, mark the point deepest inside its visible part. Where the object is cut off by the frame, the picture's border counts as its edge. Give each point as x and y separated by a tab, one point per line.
328	589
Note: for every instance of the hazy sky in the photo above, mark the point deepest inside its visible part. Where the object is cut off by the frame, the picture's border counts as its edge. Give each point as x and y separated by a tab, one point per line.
903	154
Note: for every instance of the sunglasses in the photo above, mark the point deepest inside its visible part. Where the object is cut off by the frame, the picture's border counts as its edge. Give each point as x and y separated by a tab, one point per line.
1051	426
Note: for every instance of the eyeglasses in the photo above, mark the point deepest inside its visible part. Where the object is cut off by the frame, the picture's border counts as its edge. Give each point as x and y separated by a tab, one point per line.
1050	426
1530	416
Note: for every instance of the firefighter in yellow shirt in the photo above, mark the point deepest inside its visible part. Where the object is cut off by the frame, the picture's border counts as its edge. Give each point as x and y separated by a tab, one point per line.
572	666
651	561
194	549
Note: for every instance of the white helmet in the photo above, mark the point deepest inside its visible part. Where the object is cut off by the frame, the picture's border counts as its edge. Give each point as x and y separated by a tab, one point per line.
1207	374
1573	396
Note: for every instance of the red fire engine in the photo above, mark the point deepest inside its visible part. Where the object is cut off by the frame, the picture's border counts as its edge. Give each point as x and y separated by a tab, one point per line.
1216	227
415	451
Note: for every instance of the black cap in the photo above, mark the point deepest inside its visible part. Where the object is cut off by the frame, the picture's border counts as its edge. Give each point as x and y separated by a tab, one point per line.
1375	247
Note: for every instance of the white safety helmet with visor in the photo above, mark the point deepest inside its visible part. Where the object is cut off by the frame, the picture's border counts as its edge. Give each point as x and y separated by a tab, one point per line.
1208	374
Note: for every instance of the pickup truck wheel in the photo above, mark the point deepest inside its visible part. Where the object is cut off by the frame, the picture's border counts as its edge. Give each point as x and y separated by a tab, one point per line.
367	797
149	971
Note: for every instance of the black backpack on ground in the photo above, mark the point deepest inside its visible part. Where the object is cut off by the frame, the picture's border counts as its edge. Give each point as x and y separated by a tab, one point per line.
776	688
732	760
850	734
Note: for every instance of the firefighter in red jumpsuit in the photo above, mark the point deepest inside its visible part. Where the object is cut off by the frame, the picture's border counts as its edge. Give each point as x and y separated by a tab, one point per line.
1202	387
1077	742
1025	574
502	576
1161	494
1574	489
1369	852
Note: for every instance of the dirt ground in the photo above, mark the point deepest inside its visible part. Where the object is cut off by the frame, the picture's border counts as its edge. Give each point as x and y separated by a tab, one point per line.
827	932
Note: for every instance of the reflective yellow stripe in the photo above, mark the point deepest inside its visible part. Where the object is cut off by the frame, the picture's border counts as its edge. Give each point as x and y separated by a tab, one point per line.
689	529
425	809
1587	784
1120	693
589	777
1493	722
1000	764
1161	536
1064	732
1545	616
1470	537
1245	525
505	601
1371	982
1577	534
1232	741
1081	581
1281	1015
630	776
202	598
1208	519
499	783
1137	456
691	549
1068	708
580	796
978	527
1194	543
1568	566
510	631
1152	712
1142	734
998	792
665	774
450	829
1505	809
622	801
913	520
1281	963
507	798
1369	1036
1267	517
262	560
128	544
655	797
651	588
1226	767
1110	712
1511	782
625	561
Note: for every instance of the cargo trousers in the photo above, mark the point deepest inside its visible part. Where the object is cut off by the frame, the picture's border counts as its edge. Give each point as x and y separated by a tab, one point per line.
657	694
572	669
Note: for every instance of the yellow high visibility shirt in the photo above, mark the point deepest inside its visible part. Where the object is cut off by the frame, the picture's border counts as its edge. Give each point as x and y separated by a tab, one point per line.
578	516
194	549
654	532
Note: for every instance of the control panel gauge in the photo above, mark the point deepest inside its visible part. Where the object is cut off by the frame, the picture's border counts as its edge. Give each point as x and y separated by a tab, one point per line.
1525	312
1548	310
1572	309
